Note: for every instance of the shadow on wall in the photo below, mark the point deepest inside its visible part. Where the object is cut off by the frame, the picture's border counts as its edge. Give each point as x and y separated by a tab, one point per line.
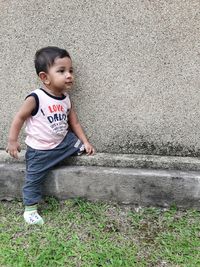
139	144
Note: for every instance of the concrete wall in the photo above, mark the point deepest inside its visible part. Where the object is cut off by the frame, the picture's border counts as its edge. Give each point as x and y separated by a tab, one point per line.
136	63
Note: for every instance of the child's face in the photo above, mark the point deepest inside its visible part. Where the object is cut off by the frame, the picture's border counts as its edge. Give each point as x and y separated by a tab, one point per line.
60	75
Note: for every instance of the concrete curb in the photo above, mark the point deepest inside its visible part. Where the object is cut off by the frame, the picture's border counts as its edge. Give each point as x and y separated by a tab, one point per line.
122	184
123	161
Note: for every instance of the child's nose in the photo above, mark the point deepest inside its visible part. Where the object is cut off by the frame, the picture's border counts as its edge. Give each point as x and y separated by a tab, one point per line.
68	75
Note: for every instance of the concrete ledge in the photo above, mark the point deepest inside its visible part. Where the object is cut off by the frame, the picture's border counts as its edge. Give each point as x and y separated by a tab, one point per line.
141	187
123	161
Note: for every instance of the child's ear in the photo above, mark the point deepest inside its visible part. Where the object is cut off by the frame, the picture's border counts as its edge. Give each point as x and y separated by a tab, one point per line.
44	77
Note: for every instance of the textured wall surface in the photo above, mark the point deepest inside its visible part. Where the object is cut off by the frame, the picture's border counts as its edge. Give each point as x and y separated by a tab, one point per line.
136	63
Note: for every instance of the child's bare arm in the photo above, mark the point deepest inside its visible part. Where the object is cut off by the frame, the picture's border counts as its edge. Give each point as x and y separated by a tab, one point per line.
13	147
77	129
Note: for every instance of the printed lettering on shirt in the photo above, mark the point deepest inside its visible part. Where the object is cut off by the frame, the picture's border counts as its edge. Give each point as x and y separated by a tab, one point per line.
57	118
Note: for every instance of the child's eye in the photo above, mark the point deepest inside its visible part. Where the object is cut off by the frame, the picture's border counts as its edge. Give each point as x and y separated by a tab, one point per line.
61	71
71	71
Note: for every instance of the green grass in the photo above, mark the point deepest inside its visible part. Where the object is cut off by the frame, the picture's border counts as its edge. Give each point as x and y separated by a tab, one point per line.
79	233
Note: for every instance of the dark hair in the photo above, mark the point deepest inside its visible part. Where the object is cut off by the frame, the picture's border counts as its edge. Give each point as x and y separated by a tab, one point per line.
45	57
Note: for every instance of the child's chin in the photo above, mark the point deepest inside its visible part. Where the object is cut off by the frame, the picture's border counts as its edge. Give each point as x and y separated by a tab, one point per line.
68	87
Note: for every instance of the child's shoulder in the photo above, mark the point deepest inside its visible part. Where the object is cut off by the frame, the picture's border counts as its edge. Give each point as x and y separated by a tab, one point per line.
35	91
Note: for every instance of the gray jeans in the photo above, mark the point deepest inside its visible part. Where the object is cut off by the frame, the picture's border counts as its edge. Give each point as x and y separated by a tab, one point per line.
39	162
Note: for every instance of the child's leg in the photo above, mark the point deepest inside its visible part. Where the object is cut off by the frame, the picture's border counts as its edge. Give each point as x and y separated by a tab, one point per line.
31	196
35	175
71	145
32	190
38	163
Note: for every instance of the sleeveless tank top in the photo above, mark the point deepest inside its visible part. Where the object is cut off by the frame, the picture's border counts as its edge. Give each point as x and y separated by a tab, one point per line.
48	124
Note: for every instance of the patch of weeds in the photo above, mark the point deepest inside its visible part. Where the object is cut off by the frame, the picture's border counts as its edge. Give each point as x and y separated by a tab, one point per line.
81	233
171	235
51	204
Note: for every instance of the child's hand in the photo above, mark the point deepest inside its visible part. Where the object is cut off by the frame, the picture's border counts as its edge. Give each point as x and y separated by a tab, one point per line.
13	148
89	149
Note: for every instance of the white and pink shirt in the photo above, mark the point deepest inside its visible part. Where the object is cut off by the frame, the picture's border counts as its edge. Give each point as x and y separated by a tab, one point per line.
48	125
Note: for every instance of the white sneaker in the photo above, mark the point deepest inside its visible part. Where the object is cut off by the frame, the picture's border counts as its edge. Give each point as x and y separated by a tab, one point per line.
32	217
